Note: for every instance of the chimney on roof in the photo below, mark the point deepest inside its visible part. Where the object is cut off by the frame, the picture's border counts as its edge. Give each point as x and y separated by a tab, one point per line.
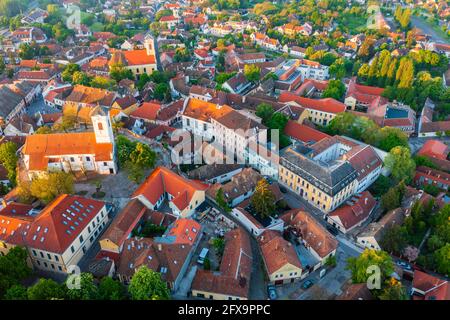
159	247
365	200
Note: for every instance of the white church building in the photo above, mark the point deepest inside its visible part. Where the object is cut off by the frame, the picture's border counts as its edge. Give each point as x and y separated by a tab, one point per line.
73	152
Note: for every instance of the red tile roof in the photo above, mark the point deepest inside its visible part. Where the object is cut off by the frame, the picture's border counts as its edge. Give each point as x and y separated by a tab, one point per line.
434	288
434	149
354	211
60	223
277	252
164	180
303	133
40	146
147	111
185	231
235	270
313	233
329	105
138	57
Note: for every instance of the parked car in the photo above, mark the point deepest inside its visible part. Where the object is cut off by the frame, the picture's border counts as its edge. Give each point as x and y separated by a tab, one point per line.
307	284
272	292
404	265
203	255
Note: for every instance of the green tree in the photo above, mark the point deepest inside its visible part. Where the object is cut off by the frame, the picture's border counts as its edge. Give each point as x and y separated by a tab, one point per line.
102	82
252	72
394	290
401	164
13	268
135	171
424	161
390	137
391	199
394	240
81	78
46	289
359	265
119	72
265	112
124	148
87	291
143	156
110	289
16	292
162	92
69	70
219	245
44	130
162	13
9	159
379	187
442	259
221	201
48	187
263	199
335	90
147	284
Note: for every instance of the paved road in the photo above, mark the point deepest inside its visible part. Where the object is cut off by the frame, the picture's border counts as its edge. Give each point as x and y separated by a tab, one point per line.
428	29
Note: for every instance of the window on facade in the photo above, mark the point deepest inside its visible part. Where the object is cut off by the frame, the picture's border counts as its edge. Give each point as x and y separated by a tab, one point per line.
72	159
42	255
81	239
100	126
72	249
34	253
49	256
56	258
88	158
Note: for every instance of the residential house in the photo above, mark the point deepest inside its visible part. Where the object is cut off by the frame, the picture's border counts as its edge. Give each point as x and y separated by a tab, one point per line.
182	195
312	235
240	187
353	213
232	281
373	234
280	258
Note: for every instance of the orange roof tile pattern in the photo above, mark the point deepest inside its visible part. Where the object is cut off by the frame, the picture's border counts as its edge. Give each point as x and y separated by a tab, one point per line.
59	224
185	231
204	111
329	105
42	146
163	180
314	234
148	111
138	57
303	133
434	149
277	252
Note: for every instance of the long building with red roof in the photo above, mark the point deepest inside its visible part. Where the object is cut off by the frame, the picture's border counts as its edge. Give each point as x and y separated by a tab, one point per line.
318	111
58	236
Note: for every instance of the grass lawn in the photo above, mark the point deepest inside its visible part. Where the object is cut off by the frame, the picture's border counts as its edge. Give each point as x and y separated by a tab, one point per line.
354	23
